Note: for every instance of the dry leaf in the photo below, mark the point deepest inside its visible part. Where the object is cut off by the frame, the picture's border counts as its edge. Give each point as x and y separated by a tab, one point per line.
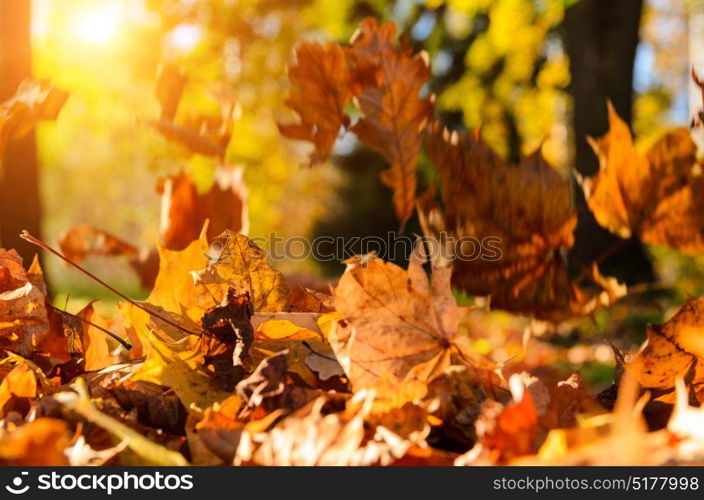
322	87
184	210
395	323
395	115
657	195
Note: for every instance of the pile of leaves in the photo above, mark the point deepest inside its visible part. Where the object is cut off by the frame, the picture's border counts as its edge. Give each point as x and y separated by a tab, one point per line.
229	362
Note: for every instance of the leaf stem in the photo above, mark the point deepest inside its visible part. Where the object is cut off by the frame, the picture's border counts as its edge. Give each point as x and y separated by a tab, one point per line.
35	241
122	341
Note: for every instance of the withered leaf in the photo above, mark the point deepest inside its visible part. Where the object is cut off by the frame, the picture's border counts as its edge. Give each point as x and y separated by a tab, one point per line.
310	437
227	338
671	350
85	241
33	101
505	229
185	210
23	313
395	323
322	87
395	114
657	195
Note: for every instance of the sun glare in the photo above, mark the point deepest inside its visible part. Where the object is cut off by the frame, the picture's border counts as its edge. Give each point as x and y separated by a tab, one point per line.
98	24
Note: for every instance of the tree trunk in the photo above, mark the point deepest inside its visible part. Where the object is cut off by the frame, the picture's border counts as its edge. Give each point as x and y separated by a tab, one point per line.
19	183
601	37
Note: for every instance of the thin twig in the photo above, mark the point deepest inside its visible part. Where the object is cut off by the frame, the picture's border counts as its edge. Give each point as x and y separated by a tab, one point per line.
35	241
122	341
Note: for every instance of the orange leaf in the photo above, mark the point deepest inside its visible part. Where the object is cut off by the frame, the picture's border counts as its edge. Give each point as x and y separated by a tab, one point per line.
394	113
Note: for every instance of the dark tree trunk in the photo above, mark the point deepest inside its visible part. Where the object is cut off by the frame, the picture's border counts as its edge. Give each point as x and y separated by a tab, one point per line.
19	186
601	37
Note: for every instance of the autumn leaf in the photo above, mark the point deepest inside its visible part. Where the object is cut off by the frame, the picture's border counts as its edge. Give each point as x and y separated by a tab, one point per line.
23	314
395	114
509	227
33	101
321	89
395	323
41	442
193	133
656	195
85	241
237	262
20	382
171	80
185	210
671	350
310	437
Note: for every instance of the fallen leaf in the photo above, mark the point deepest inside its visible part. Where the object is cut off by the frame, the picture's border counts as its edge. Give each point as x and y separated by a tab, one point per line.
656	195
185	210
23	313
321	89
395	323
37	443
394	113
505	229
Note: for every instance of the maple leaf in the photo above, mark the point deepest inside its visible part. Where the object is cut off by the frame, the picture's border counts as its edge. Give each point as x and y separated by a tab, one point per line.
322	89
395	323
308	355
657	195
185	210
394	113
671	351
525	217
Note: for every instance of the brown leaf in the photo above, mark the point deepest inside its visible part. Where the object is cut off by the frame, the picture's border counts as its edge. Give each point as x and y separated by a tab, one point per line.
505	228
310	437
395	323
657	195
184	210
394	113
170	83
228	336
33	101
322	88
23	313
671	351
85	241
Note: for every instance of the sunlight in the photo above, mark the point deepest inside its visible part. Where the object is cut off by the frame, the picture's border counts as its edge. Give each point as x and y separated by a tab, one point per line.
98	24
